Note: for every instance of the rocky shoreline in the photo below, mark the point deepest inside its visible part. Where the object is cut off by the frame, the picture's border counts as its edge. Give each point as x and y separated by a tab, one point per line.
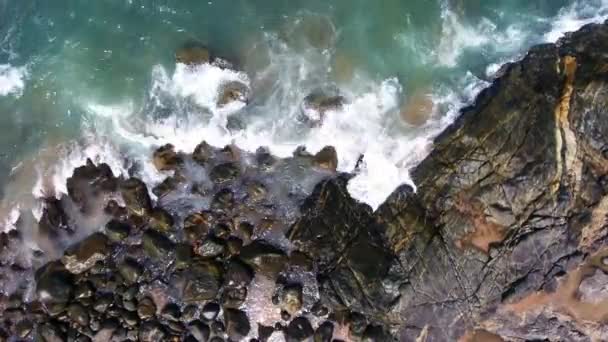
503	240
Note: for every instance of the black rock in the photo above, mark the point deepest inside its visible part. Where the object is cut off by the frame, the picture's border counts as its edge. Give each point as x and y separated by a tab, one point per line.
157	245
201	281
78	314
234	297
210	311
224	172
54	284
135	195
117	231
291	298
171	312
298	330
237	274
83	255
210	248
324	332
263	257
199	330
146	308
264	332
130	270
237	324
151	331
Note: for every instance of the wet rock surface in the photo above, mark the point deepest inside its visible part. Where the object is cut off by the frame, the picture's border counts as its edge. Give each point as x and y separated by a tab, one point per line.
503	240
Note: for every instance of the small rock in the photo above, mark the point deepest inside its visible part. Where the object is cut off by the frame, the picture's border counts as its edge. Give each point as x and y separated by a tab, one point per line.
146	308
151	332
190	313
246	230
200	281
160	220
319	310
264	159
232	91
237	324
202	153
165	158
291	299
102	303
50	333
298	330
222	230
234	245
264	332
324	332
135	195
357	324
376	334
156	245
171	312
234	297
317	104
237	274
223	199
224	172
23	328
117	231
196	226
86	253
263	257
84	290
167	185
183	256
54	284
78	314
210	248
218	328
130	270
53	220
210	311
326	159
199	330
130	318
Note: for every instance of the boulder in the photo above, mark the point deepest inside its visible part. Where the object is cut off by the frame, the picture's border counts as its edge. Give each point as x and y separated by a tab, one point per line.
83	255
232	91
237	324
193	53
165	158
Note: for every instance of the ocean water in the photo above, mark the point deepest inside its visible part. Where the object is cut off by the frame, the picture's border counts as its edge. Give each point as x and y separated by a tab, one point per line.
98	79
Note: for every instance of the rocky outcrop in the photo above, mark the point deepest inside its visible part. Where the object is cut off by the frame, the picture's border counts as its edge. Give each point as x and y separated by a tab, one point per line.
507	225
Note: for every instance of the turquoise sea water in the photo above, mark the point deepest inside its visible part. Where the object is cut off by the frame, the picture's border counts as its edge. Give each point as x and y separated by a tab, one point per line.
98	79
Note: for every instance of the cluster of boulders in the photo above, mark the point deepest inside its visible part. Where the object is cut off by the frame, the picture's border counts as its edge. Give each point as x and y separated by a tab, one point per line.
179	266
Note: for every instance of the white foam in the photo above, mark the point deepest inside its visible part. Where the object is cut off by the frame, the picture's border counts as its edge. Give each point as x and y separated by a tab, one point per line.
573	17
12	80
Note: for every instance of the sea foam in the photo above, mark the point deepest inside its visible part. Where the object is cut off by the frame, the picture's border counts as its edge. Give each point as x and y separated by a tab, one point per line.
12	80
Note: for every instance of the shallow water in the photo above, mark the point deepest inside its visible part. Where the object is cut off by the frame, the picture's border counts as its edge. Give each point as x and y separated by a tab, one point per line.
98	79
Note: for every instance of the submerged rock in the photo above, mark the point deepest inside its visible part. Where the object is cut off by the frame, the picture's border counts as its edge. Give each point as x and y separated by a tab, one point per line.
193	53
233	92
317	104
